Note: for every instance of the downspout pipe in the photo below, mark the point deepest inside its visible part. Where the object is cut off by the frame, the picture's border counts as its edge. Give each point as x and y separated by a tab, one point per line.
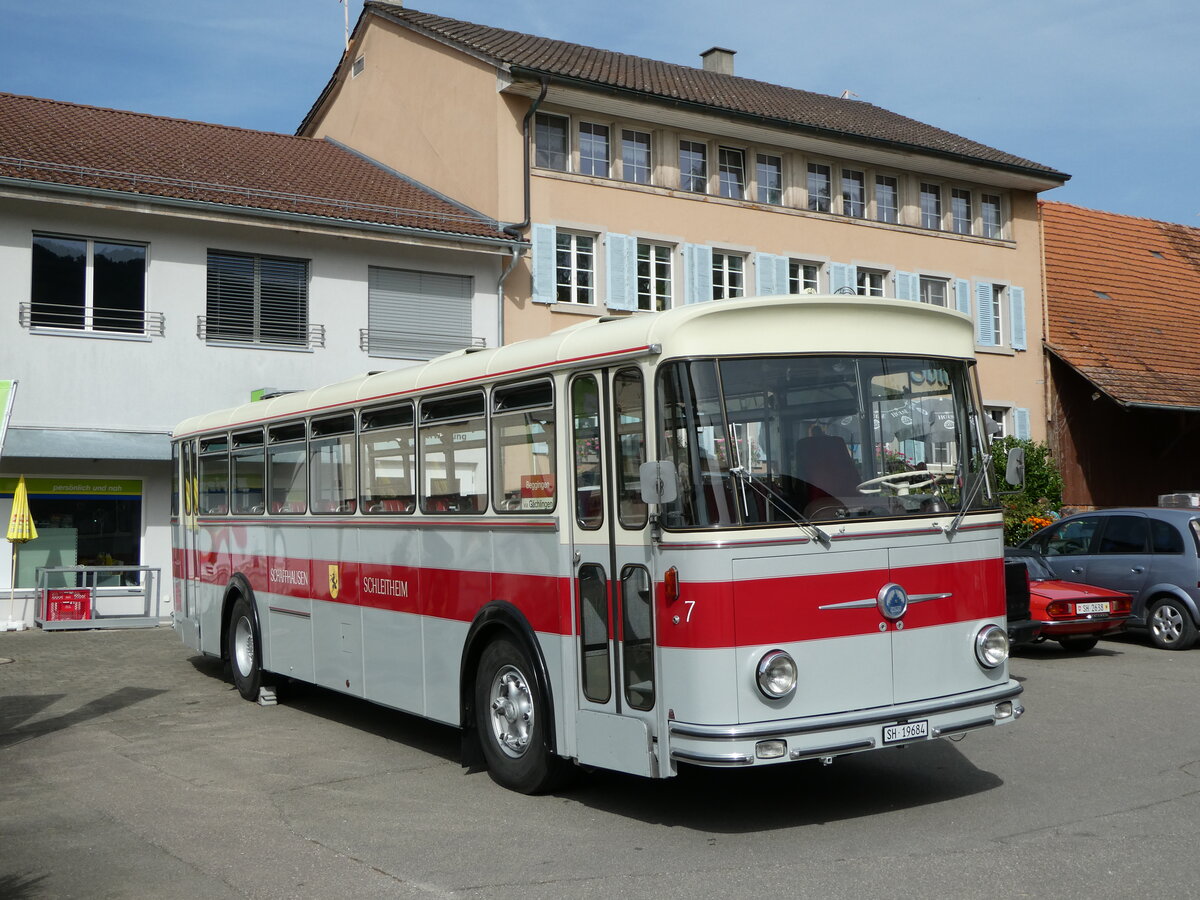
517	231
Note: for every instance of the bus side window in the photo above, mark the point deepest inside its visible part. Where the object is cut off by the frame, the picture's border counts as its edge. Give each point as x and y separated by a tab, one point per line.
286	481
629	415
249	473
387	447
523	451
453	438
585	432
593	633
637	637
331	465
214	476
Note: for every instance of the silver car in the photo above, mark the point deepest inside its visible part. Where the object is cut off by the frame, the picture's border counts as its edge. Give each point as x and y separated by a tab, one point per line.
1149	552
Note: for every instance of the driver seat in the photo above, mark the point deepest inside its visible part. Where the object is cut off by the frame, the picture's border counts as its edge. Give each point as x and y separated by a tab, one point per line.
824	461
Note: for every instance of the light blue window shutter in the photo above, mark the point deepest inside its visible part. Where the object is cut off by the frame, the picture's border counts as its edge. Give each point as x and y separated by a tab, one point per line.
906	286
620	270
782	274
544	250
1021	423
985	334
766	275
962	295
841	276
1016	301
697	273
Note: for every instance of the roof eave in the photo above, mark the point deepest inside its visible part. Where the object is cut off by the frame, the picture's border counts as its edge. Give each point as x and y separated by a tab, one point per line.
1057	353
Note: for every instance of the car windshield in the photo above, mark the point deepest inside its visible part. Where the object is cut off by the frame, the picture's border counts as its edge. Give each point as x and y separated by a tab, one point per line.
828	437
1038	568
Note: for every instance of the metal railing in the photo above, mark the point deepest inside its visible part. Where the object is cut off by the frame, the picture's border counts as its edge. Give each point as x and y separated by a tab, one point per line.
265	332
73	316
72	597
413	344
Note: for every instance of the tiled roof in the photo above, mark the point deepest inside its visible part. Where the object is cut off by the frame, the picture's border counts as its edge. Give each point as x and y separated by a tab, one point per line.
91	147
723	93
1140	343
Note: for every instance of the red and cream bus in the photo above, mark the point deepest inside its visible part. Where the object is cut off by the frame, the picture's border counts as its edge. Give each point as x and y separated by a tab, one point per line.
777	538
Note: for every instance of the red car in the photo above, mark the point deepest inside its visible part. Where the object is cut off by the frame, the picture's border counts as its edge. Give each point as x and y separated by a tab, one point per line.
1075	615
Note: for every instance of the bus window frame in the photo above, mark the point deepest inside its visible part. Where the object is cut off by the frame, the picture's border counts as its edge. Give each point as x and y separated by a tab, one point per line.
319	438
286	442
496	417
375	506
428	418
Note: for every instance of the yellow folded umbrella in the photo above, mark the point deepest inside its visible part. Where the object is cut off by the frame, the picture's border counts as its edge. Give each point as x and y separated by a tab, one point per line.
20	523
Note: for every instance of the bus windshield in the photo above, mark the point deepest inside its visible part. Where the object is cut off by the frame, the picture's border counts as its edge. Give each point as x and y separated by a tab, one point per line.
757	440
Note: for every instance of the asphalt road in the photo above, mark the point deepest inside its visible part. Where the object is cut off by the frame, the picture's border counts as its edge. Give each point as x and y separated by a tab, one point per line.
131	768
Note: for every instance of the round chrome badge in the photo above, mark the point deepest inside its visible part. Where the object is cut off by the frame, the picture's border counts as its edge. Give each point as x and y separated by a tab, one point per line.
892	601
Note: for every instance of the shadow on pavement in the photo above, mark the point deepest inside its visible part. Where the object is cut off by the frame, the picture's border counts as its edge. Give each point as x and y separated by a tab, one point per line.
18	887
21	708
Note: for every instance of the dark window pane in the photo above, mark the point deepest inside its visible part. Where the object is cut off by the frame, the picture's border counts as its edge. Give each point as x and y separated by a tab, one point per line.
118	287
1165	538
1125	534
58	283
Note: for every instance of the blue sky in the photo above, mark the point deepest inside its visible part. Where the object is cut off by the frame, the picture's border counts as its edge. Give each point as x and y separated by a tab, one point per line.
1105	90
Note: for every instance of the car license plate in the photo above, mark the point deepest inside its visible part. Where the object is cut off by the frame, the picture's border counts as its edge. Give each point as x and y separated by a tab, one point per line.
1082	609
906	731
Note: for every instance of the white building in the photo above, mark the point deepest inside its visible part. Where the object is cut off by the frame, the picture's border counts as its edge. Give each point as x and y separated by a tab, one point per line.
154	268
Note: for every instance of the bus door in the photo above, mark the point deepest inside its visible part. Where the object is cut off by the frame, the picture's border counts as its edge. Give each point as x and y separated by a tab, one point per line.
615	718
188	569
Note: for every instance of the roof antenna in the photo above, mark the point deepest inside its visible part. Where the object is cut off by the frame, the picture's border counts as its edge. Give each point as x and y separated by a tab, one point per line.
847	94
346	16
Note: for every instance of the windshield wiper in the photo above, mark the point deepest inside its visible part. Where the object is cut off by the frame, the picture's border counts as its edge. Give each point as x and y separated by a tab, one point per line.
771	495
952	529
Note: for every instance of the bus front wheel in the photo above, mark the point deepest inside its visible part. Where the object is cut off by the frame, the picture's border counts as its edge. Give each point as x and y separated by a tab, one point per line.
510	715
244	650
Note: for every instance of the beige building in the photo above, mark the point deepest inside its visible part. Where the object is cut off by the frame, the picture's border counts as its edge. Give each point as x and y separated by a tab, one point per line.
643	185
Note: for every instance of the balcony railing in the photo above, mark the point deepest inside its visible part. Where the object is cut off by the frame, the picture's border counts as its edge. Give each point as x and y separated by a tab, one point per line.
73	317
264	332
413	344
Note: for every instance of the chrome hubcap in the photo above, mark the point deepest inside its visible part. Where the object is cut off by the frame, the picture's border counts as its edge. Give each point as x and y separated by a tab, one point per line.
1167	624
512	711
243	647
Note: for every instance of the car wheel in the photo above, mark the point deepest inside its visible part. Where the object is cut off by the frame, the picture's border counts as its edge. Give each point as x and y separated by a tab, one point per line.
1078	644
510	717
245	659
1171	625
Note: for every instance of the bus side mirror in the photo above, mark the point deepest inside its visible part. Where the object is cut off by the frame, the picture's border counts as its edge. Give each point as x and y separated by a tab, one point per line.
660	481
1014	472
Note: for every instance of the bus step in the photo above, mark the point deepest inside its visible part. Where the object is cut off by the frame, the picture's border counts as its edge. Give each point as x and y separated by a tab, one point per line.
266	696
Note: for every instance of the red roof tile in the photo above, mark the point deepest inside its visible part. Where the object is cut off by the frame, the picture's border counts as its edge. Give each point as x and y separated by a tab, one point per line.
728	93
92	147
1140	342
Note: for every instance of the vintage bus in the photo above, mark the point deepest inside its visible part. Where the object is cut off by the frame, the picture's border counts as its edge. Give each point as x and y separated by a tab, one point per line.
730	534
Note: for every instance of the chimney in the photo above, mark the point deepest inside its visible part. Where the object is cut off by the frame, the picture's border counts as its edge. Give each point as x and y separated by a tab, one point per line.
719	60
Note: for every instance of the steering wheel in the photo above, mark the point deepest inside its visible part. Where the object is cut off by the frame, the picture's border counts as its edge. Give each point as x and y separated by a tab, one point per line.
897	480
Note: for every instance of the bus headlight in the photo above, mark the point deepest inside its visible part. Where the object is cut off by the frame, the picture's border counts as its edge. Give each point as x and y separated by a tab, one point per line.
776	674
991	646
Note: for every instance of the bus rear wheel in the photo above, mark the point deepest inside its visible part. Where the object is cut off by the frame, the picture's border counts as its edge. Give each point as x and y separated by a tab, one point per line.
510	717
245	659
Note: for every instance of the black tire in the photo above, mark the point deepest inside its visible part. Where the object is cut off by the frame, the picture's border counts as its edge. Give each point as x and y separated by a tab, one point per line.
1078	644
510	717
245	650
1170	623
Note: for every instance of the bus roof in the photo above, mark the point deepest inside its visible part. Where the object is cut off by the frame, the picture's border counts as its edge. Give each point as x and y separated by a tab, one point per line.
759	325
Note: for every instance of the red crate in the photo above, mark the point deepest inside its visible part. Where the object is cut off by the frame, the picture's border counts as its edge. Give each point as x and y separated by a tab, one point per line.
68	604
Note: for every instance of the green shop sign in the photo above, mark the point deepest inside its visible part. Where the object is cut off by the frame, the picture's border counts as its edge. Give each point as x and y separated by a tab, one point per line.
91	487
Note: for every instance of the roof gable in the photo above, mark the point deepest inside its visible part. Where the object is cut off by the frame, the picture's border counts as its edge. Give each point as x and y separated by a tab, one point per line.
728	94
1123	303
50	142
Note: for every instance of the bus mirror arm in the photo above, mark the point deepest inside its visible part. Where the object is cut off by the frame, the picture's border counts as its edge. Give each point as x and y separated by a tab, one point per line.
952	529
773	496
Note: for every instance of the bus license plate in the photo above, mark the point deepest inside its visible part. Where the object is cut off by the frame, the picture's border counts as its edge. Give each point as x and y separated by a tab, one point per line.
1082	609
906	731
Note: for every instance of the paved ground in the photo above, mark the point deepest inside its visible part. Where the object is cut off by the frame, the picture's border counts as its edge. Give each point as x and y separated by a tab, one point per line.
130	768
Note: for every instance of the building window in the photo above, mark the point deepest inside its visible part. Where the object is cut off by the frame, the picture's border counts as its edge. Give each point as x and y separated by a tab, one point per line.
887	199
991	313
732	173
999	417
729	276
803	278
960	211
550	142
854	193
819	189
933	291
870	283
417	315
593	149
769	175
576	268
931	206
257	299
693	166
654	276
87	285
635	156
993	225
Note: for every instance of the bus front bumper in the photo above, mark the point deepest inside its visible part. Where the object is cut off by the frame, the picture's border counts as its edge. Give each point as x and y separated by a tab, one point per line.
824	737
